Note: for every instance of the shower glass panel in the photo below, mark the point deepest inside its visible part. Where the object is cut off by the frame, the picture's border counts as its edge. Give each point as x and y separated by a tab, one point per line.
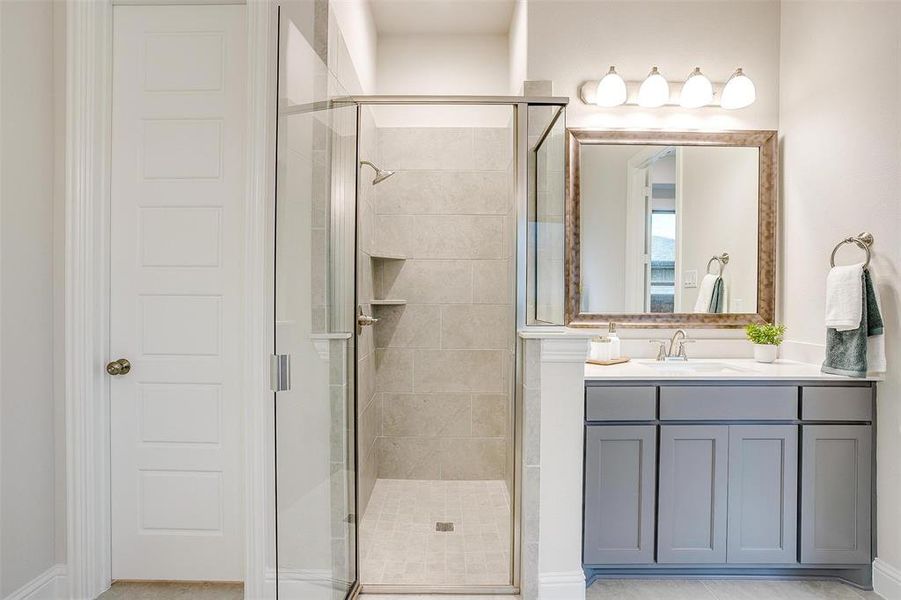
314	296
547	199
436	267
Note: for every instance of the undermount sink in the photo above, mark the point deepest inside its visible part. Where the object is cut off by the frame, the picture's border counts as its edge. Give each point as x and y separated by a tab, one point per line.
692	366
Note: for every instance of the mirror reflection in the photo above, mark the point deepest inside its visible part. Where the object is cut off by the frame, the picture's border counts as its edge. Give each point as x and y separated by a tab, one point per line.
668	229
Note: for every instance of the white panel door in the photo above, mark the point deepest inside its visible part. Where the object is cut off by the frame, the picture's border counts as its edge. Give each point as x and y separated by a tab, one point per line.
177	195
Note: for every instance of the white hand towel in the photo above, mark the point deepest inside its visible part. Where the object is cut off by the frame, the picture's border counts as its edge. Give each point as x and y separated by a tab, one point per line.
844	297
876	344
705	291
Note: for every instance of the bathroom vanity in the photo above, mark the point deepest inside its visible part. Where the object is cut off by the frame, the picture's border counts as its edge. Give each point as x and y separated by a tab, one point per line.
728	468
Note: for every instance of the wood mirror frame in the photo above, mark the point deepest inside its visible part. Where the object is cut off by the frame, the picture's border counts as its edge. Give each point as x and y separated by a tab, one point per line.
764	141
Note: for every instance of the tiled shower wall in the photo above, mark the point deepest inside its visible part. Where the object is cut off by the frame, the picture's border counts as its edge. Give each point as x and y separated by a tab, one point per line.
444	360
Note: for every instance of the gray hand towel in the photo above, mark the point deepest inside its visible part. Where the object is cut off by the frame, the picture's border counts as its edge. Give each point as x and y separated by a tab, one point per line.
846	351
717	297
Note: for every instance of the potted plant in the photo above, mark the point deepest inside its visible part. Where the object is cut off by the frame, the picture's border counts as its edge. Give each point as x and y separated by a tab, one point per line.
766	338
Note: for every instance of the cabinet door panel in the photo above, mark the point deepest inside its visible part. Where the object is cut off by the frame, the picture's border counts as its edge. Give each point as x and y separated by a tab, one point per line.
619	494
693	485
763	494
836	482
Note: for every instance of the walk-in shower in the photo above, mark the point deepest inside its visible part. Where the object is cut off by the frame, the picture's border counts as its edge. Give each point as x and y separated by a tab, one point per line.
397	299
436	268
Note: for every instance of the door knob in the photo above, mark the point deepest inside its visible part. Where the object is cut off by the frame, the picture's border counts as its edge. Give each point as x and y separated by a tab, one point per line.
118	367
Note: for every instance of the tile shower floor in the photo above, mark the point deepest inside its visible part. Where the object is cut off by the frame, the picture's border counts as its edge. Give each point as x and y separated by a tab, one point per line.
399	544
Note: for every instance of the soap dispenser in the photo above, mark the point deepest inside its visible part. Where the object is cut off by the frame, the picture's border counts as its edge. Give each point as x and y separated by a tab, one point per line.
615	344
600	348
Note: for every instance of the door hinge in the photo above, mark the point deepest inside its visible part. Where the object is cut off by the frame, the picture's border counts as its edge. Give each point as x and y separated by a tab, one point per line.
280	372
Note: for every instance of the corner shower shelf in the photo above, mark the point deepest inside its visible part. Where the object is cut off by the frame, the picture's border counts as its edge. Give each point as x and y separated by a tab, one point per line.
388	302
387	256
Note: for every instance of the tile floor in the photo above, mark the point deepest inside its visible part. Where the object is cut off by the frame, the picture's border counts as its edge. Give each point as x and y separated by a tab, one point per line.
399	544
601	590
693	590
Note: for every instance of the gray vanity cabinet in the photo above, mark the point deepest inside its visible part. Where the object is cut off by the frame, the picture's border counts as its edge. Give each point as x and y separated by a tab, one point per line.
693	486
763	494
751	478
836	488
619	493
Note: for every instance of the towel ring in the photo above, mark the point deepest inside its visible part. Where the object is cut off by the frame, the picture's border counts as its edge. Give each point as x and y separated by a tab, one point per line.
722	259
863	240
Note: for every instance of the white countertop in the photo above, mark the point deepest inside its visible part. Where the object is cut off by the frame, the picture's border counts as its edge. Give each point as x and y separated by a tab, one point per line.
705	369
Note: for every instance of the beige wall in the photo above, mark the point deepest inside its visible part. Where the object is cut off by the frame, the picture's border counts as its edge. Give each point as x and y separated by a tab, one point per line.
30	432
841	164
445	359
719	214
604	183
442	64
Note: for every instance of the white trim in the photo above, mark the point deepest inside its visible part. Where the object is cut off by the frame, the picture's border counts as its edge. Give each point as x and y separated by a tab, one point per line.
569	585
886	580
88	117
564	349
259	519
49	585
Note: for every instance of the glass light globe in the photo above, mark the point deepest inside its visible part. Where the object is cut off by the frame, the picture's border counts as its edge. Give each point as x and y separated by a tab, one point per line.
697	91
611	90
739	91
654	90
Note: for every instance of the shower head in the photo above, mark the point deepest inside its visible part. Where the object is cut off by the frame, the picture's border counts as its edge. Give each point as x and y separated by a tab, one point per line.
380	174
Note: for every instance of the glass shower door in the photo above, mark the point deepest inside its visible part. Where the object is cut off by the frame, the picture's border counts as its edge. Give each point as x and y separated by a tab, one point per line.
314	295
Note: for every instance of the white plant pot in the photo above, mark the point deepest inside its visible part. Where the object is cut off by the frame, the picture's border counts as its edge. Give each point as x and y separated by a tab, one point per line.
765	353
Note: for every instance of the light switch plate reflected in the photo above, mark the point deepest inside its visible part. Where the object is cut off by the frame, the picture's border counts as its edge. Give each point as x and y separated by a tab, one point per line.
690	279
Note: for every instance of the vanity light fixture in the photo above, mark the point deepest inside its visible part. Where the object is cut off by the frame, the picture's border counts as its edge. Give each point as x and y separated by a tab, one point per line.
654	90
697	91
739	91
611	90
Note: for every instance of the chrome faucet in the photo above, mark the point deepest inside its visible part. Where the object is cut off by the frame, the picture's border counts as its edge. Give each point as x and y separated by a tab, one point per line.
676	349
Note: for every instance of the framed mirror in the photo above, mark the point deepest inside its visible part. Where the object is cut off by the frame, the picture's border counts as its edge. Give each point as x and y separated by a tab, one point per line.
670	229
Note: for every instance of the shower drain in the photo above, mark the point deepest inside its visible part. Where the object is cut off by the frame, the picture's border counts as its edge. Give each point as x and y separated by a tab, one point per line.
439	526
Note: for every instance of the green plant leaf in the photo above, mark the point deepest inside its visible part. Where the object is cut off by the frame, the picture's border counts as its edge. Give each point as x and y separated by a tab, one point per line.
766	333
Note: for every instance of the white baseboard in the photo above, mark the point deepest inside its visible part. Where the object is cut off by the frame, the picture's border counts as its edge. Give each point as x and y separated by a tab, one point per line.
561	586
886	580
49	585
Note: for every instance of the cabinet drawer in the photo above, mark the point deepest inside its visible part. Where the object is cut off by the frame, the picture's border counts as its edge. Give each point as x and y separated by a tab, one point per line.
728	403
837	403
622	403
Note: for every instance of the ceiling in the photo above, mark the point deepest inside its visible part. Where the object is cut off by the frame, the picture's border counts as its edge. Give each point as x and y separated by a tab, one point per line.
397	17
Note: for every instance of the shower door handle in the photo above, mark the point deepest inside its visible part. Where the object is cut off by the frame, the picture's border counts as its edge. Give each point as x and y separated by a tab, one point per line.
364	320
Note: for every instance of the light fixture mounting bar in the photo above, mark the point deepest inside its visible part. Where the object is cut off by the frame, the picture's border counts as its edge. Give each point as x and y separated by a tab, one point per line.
589	88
